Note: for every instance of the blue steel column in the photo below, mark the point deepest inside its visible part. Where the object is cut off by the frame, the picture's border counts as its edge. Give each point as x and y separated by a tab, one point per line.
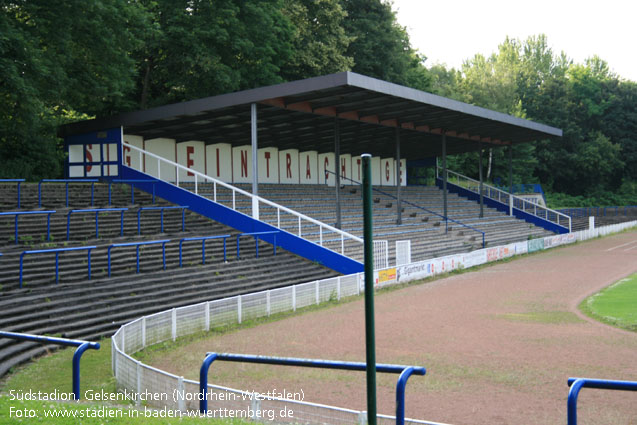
255	160
203	382
370	337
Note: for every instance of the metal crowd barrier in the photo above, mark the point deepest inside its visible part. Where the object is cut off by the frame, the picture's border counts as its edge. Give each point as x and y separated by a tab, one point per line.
81	345
57	255
19	213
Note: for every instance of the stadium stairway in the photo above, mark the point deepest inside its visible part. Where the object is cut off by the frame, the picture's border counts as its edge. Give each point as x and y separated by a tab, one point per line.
79	308
425	229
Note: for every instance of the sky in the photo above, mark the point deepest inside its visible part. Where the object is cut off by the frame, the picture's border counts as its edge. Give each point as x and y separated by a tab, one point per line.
451	31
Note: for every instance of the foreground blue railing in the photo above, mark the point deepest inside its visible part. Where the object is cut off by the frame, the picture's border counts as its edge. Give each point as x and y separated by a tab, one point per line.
131	182
97	226
57	251
404	371
256	235
19	213
18	181
66	182
161	209
163	243
577	384
203	240
82	346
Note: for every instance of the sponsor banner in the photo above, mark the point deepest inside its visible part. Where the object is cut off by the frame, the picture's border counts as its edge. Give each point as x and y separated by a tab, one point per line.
535	245
385	277
521	247
493	254
474	258
557	240
414	271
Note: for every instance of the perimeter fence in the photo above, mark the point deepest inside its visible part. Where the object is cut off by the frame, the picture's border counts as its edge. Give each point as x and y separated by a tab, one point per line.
156	388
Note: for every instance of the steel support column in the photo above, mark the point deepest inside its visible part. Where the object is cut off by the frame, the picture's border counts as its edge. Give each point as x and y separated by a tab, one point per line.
444	179
399	208
255	161
511	180
337	170
480	174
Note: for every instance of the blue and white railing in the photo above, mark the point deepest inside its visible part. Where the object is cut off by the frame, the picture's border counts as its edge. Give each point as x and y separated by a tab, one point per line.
507	199
324	230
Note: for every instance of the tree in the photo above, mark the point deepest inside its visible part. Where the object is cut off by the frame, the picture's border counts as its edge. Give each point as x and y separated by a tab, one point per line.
57	58
319	40
200	48
380	46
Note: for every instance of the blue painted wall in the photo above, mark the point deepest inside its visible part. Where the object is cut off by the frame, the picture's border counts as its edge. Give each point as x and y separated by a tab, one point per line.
529	218
244	223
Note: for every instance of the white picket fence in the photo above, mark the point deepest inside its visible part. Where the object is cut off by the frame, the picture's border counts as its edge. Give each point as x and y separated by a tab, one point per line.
135	377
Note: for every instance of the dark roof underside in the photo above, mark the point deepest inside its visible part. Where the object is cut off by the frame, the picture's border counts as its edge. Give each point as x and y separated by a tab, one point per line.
302	115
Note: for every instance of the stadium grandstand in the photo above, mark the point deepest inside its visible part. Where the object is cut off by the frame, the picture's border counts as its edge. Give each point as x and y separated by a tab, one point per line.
247	191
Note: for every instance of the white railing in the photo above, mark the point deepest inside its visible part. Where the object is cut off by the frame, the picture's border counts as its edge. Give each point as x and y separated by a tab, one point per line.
135	377
324	230
403	252
381	255
509	199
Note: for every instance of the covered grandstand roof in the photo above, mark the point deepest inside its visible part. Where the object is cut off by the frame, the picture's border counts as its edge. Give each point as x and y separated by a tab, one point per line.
301	115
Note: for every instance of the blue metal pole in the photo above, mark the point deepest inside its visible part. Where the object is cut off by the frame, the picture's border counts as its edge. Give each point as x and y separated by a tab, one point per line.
137	251
181	242
48	227
68	225
163	254
21	263
89	264
121	224
256	244
57	268
203	251
139	228
161	215
203	381
400	394
109	260
224	250
572	401
77	356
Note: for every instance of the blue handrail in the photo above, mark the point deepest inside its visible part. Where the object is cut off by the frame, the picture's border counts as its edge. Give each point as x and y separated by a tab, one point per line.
19	181
81	345
66	181
183	216
203	240
577	384
96	211
256	240
57	255
137	245
19	213
132	187
404	371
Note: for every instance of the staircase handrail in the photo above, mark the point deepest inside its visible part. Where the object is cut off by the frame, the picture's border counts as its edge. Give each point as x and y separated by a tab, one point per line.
416	206
512	198
235	190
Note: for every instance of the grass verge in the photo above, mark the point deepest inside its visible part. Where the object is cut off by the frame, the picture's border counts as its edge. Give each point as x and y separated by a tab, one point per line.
615	305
